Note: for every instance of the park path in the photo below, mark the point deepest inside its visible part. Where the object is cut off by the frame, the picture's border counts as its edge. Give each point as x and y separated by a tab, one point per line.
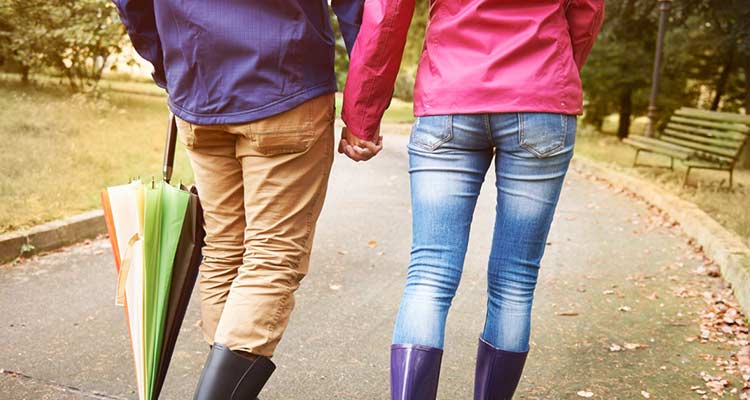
614	273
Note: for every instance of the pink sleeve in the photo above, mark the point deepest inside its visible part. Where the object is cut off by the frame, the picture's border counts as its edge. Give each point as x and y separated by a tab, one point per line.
585	18
374	64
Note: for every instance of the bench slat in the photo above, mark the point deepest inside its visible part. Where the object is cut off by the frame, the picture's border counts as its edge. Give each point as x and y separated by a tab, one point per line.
736	136
731	127
714	158
714	115
702	149
658	146
730	144
705	163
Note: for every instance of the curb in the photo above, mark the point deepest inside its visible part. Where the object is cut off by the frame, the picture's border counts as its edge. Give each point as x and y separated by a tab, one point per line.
724	247
52	235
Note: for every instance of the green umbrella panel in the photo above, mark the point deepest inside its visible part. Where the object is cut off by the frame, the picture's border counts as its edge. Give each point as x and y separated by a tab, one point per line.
164	213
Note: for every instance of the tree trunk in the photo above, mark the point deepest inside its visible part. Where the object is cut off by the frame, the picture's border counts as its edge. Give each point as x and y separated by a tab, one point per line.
721	83
25	69
626	110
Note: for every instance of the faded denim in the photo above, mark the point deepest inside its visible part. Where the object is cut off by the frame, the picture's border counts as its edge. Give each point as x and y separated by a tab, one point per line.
448	159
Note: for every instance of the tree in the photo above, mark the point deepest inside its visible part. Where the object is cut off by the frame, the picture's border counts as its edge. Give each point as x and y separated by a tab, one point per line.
404	88
341	58
617	76
706	47
72	37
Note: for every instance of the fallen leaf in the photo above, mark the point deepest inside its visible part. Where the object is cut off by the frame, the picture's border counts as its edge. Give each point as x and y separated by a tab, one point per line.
635	346
372	244
568	314
743	357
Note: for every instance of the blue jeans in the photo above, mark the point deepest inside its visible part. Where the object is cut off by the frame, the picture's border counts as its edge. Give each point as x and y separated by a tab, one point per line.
448	159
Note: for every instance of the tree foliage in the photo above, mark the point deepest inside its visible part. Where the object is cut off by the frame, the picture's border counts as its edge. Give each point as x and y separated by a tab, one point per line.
73	38
405	81
705	43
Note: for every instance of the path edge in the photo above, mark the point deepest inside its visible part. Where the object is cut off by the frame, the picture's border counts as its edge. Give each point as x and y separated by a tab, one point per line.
51	235
721	245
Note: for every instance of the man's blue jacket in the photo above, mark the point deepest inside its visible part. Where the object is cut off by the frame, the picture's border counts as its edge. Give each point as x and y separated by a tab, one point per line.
236	61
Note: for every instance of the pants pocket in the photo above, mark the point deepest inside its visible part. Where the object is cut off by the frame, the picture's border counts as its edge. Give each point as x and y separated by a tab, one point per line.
185	133
430	132
294	131
543	134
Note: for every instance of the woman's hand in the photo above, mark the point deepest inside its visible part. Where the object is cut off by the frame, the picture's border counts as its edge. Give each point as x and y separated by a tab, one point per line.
358	149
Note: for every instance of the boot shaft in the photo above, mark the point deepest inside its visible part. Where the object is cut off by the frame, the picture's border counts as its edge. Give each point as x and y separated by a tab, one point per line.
415	372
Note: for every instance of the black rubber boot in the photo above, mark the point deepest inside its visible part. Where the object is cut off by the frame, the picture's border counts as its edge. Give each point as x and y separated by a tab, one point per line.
229	375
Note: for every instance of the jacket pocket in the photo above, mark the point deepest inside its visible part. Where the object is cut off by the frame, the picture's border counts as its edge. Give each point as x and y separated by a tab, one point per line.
543	134
430	132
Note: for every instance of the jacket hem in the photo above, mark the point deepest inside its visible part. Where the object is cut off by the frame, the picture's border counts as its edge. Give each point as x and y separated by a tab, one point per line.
420	111
267	110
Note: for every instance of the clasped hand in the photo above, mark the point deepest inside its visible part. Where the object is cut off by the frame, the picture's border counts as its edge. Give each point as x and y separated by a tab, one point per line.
359	149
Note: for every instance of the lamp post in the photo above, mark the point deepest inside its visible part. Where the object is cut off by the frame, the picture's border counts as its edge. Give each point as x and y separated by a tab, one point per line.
664	6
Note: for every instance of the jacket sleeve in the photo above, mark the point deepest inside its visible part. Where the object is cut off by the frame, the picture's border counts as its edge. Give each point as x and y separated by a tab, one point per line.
374	64
585	18
349	15
140	22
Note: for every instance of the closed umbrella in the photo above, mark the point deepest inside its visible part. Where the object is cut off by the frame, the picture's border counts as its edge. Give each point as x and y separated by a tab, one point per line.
156	234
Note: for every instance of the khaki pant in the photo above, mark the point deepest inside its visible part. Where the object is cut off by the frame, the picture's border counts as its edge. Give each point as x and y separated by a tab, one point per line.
262	186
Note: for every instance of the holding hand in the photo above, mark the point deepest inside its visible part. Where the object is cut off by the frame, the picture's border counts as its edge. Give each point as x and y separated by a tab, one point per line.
359	149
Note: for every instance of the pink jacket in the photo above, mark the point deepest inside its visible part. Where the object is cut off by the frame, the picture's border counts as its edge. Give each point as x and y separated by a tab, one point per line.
479	56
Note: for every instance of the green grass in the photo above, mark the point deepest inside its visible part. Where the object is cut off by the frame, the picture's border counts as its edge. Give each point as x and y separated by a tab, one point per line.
729	208
59	150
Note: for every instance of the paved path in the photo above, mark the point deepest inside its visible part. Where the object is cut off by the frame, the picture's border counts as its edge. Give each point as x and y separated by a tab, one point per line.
66	340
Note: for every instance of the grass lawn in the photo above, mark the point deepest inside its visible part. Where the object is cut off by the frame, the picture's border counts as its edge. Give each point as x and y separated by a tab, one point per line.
59	150
731	209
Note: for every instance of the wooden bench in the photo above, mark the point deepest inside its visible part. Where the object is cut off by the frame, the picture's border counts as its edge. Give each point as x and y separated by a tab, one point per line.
700	139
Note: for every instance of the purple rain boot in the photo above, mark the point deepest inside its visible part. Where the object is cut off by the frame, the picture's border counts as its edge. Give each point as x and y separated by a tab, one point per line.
415	371
497	373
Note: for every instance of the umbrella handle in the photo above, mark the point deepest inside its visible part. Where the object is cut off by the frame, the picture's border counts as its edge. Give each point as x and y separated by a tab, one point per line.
169	148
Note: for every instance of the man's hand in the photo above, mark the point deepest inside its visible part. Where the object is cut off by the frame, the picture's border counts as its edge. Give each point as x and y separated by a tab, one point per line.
358	149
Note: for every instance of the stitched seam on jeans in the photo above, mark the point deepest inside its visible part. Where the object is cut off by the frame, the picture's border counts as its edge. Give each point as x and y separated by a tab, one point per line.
520	129
447	127
488	129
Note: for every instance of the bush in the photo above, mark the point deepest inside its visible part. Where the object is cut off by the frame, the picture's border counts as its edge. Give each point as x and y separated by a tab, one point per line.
404	88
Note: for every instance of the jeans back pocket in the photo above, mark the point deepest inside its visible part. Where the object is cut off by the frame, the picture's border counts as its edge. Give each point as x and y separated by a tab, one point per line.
431	131
543	134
